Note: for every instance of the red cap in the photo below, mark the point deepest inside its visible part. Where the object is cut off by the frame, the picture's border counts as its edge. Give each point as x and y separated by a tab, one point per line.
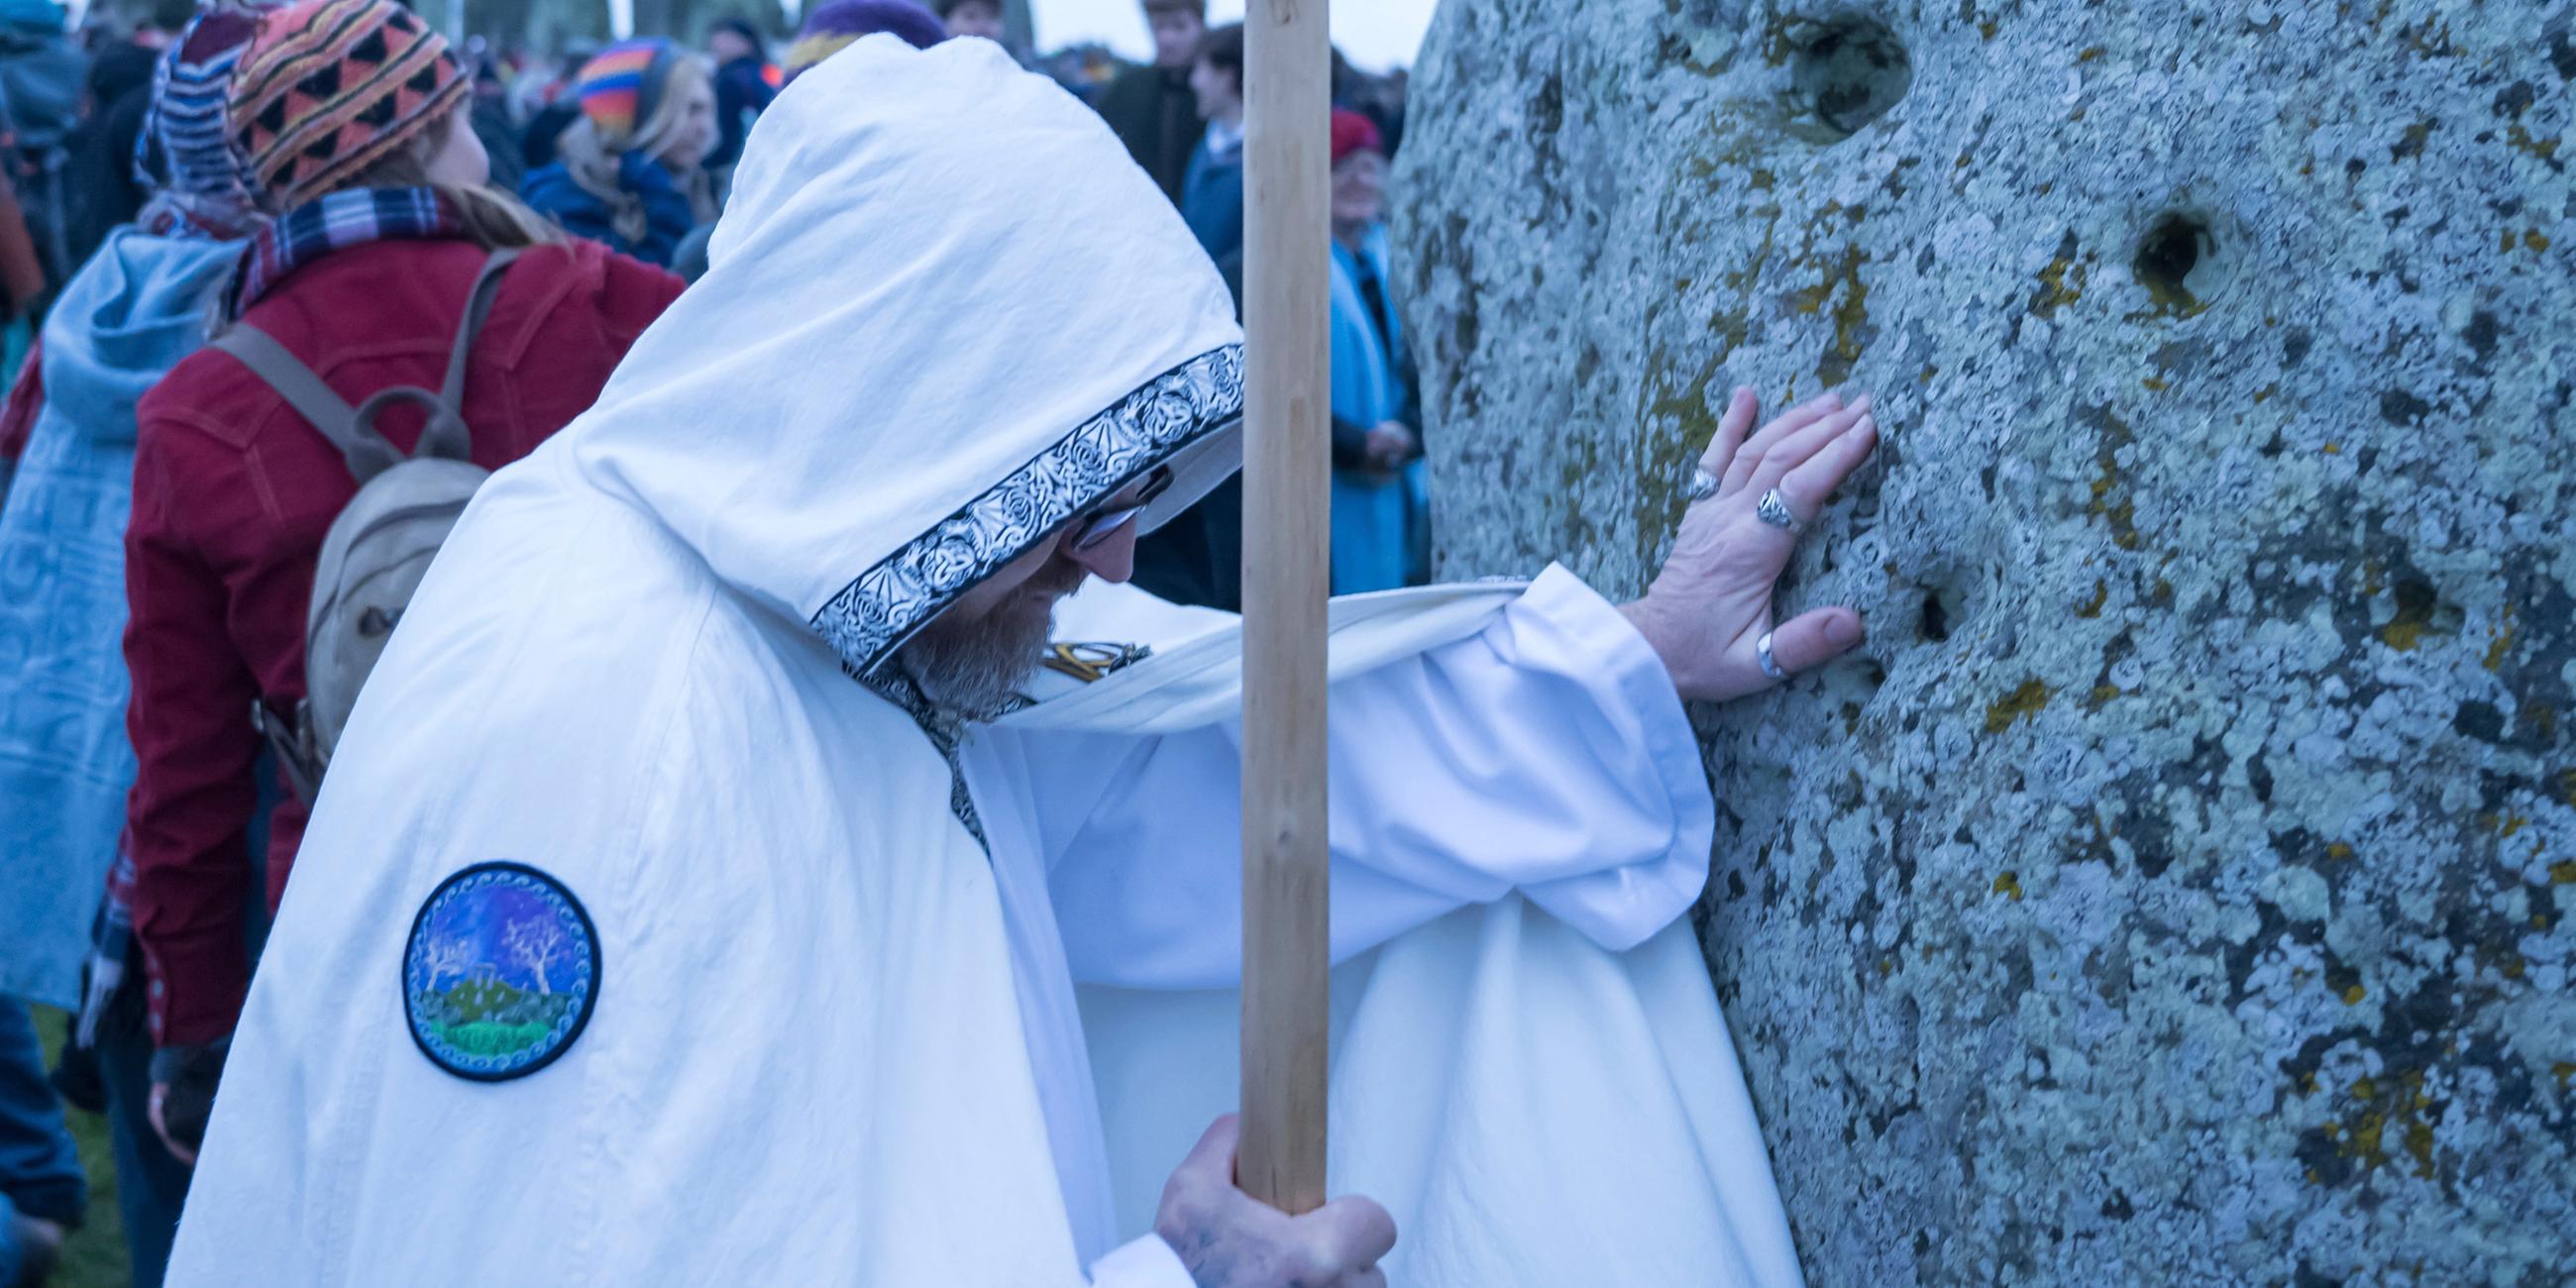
1353	132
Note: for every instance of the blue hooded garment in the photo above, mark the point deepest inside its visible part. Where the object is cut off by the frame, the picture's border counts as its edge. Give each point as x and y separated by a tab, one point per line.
1376	520
132	312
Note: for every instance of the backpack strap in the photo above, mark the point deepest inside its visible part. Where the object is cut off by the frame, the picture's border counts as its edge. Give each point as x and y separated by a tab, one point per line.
369	453
353	429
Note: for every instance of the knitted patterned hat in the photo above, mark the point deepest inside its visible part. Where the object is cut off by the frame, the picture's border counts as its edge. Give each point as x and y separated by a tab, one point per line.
329	88
186	118
838	24
621	89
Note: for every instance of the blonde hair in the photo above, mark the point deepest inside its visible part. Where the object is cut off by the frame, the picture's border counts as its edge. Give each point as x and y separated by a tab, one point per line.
493	219
688	73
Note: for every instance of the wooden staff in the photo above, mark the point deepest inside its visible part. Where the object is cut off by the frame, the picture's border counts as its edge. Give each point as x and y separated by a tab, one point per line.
1286	544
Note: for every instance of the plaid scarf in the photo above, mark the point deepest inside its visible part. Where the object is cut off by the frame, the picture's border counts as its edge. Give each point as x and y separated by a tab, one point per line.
351	217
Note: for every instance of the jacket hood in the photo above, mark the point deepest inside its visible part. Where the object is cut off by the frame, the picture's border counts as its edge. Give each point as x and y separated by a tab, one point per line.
129	315
944	315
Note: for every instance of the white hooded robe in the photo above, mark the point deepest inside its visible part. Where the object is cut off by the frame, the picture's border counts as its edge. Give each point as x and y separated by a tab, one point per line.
836	1036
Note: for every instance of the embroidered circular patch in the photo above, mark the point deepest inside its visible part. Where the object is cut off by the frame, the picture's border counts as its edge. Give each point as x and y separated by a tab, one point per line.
500	973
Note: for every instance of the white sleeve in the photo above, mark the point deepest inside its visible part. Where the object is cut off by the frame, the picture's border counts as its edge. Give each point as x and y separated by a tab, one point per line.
1547	754
1143	1263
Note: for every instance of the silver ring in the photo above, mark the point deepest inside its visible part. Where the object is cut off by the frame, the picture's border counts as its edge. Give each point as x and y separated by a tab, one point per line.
1762	654
1703	485
1773	509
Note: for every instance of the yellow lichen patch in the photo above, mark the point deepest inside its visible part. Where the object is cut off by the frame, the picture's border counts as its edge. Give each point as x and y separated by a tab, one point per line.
2338	850
1986	30
2104	693
2534	239
2507	245
2021	702
2154	385
2352	996
2009	884
2054	290
2364	1088
2563	872
2093	606
2500	644
2564	1070
2512	823
1929	371
2419	1146
2265	393
2406	629
2090	53
2521	140
2334	449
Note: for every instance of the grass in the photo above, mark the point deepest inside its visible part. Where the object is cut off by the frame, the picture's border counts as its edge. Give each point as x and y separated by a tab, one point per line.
94	1255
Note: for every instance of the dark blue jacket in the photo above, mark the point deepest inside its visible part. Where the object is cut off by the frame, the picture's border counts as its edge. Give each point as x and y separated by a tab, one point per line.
1212	197
552	192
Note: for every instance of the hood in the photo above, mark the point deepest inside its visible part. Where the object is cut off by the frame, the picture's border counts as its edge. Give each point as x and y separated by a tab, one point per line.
944	315
129	315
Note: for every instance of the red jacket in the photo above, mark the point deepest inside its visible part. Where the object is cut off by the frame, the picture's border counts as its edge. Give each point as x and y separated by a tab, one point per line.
232	494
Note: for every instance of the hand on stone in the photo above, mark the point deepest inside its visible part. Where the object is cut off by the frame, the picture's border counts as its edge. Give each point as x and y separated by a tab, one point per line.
1229	1239
1711	603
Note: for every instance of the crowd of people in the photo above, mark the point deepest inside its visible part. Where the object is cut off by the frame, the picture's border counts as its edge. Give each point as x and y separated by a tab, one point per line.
229	224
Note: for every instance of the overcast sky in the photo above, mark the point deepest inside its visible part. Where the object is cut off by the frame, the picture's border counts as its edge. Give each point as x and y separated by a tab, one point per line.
1376	34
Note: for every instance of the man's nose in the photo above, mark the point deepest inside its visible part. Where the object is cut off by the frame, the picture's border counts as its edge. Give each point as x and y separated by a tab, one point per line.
1114	559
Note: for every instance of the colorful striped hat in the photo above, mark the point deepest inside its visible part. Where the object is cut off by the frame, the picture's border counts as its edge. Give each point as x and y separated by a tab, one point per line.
186	118
621	89
331	87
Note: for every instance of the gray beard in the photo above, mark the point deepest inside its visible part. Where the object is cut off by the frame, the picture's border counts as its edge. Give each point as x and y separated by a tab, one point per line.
975	669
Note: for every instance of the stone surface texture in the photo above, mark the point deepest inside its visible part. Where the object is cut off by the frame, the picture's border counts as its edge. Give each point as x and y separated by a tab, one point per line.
2177	891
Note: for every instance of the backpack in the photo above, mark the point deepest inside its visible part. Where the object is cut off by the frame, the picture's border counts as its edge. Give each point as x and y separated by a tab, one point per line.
382	541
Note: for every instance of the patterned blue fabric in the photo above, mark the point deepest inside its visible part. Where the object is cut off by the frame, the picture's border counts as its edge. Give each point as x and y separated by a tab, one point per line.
352	217
1376	519
131	313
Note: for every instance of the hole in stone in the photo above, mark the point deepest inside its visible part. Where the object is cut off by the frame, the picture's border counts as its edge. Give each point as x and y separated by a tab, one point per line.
2180	263
1849	70
1936	617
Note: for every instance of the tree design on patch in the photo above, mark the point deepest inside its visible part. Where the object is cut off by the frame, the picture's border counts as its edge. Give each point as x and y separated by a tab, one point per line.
500	972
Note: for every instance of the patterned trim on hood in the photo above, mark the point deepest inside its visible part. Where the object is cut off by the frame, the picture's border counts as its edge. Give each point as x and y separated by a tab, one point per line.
873	615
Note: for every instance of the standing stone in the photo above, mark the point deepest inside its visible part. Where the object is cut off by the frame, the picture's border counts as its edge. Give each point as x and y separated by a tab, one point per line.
2177	890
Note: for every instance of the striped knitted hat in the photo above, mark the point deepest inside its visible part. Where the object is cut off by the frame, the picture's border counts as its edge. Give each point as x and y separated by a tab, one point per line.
329	88
621	89
186	118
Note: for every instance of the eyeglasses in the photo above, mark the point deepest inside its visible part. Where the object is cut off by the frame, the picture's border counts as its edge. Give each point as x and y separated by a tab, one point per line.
1101	525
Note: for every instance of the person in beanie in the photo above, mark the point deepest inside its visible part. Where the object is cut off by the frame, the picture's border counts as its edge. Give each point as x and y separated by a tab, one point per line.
745	82
1152	108
836	25
134	309
1381	506
347	120
627	173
